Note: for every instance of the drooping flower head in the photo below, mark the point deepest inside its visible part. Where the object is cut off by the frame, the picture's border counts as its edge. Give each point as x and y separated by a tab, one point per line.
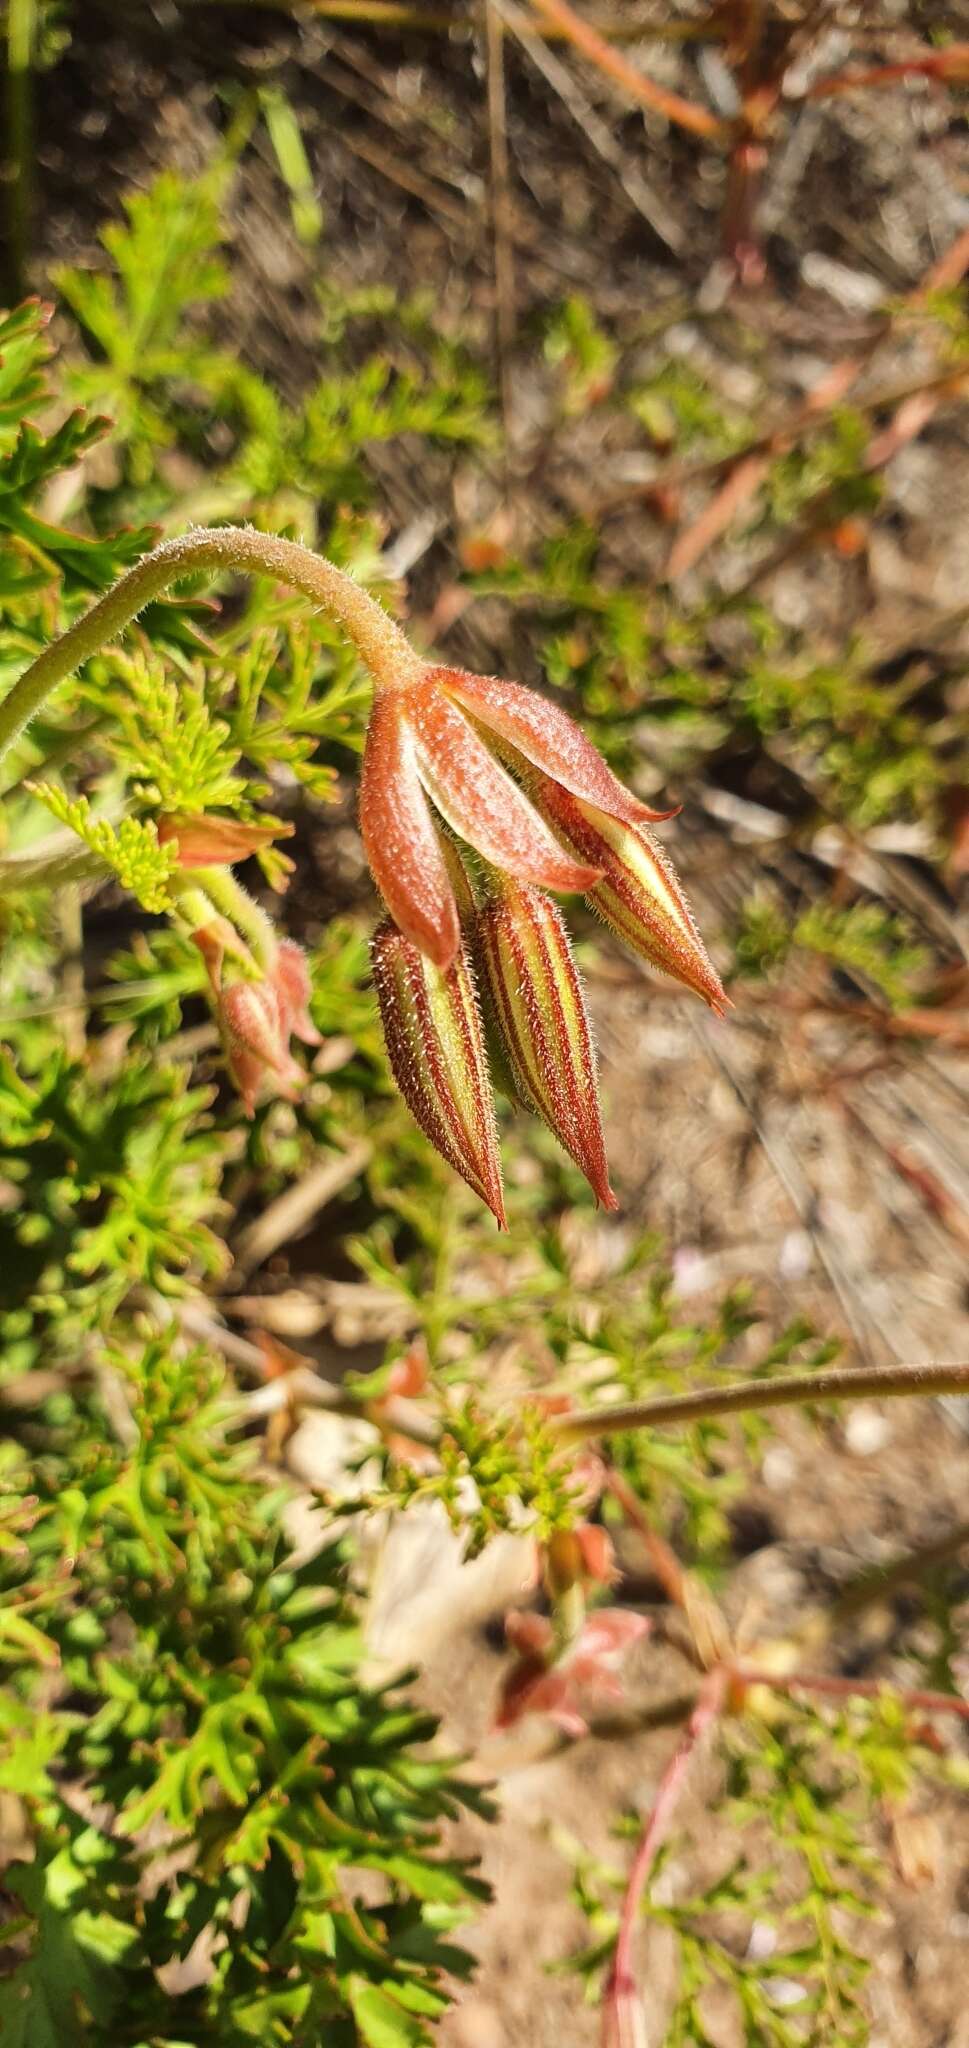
515	779
440	739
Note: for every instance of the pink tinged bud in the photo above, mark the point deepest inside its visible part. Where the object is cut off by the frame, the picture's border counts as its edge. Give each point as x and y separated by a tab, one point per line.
598	1553
435	1043
247	1073
607	1636
539	1008
548	738
216	842
256	1039
408	1375
211	942
291	980
250	1012
639	895
535	1684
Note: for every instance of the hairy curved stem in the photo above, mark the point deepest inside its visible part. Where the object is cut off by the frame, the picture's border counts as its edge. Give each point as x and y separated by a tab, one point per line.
242	910
378	640
844	1383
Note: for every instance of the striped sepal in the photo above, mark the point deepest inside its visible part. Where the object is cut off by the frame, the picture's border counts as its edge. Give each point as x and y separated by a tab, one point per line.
435	1043
639	894
536	996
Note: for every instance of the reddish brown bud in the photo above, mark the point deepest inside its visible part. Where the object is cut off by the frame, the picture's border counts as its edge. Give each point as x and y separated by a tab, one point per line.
639	894
578	1557
435	1043
250	1014
539	1008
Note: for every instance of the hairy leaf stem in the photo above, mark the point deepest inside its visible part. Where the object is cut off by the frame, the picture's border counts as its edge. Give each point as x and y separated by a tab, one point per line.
381	645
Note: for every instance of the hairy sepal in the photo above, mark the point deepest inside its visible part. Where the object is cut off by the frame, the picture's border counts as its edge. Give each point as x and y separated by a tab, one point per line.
638	893
547	738
401	840
435	1044
539	1010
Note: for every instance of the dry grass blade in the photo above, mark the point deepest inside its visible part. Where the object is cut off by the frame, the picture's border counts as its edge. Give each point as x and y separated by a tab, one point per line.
842	1383
501	209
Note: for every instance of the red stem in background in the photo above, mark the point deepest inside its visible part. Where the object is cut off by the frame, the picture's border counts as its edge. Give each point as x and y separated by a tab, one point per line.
699	120
951	64
853	1688
621	1982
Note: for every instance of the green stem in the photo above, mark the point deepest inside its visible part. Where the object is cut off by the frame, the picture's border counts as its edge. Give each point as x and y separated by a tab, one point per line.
378	640
844	1383
242	910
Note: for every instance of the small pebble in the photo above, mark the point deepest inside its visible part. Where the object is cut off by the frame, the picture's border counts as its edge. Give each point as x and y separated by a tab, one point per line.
779	1467
691	1271
796	1255
866	1430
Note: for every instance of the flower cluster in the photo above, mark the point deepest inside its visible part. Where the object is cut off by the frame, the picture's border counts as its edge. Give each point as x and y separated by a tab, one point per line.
477	797
453	757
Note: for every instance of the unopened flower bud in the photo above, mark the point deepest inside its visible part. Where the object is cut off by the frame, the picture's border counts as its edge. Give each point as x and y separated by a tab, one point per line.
638	894
579	1557
435	1043
214	940
215	841
539	1008
256	1035
291	979
250	1012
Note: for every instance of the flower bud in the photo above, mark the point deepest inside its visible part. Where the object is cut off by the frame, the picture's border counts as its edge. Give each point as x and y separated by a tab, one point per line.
638	894
215	841
256	1035
435	1043
582	1556
250	1012
539	1009
291	979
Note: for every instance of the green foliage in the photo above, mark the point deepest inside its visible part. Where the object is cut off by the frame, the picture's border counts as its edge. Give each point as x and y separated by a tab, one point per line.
37	554
114	1176
866	942
165	261
247	1797
577	345
161	375
130	849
